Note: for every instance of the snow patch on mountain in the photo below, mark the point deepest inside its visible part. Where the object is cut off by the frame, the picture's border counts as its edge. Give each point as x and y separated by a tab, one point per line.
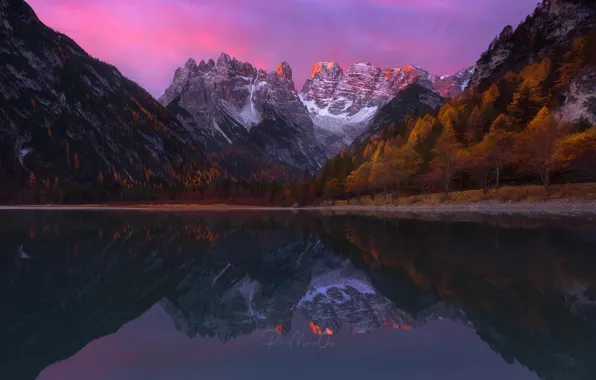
342	105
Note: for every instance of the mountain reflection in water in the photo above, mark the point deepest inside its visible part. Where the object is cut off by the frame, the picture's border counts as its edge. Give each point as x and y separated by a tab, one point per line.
525	287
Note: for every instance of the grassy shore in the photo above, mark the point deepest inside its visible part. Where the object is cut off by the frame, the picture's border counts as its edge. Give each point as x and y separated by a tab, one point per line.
557	200
526	194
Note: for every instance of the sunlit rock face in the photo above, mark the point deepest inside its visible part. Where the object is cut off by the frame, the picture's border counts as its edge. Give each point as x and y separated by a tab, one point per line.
343	104
228	101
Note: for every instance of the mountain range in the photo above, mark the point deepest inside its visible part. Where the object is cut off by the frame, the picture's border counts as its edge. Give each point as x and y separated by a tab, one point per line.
68	119
231	103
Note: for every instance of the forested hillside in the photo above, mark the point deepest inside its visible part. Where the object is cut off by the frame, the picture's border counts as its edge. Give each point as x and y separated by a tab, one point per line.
528	126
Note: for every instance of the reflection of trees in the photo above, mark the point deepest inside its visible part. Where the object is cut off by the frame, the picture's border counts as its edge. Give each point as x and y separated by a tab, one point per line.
512	283
89	273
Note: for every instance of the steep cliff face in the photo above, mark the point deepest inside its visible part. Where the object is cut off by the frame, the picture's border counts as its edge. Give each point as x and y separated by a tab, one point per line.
343	105
580	98
67	116
414	100
227	102
553	25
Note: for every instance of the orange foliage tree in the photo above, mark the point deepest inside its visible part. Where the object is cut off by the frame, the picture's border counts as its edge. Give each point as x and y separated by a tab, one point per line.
536	145
446	160
577	153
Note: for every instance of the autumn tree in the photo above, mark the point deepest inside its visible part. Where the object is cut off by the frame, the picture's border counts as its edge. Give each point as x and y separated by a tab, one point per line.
422	130
574	62
501	123
381	176
530	95
488	157
404	164
577	152
536	145
333	189
474	128
446	155
358	181
490	96
32	179
100	178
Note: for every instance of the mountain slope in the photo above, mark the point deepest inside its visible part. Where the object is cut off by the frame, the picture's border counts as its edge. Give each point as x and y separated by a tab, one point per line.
415	100
67	117
231	102
551	27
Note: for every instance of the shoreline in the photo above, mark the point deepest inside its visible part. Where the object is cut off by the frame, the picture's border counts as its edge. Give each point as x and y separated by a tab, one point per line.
558	207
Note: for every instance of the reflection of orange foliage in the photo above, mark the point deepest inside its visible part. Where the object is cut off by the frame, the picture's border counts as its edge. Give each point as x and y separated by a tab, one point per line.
406	327
315	329
278	328
31	233
328	331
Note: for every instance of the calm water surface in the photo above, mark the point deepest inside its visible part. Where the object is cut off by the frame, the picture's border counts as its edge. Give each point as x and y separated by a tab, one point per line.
106	295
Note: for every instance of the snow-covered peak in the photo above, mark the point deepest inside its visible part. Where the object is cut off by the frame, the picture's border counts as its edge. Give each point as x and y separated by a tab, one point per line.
342	104
343	297
224	100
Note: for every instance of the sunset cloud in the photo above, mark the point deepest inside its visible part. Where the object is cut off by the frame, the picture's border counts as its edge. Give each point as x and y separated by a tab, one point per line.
148	39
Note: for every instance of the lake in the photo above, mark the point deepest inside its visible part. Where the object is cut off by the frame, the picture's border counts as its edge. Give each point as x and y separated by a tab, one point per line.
295	295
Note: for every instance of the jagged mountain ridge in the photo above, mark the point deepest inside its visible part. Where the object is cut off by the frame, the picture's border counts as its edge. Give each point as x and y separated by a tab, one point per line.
553	24
342	105
227	102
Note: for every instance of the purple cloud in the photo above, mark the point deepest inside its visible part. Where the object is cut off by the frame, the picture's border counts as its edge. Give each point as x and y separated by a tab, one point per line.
148	39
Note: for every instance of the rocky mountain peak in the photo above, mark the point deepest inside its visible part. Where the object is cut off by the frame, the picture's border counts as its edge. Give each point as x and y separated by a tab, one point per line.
342	104
284	70
326	69
191	63
224	59
231	102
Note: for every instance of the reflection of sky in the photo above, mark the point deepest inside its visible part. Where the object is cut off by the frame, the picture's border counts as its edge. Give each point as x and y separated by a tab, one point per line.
150	348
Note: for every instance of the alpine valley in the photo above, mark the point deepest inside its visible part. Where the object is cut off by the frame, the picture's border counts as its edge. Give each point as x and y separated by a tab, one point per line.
74	129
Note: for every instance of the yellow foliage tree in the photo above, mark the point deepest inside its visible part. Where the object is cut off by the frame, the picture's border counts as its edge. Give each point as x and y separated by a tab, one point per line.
474	129
530	96
536	145
422	130
490	96
446	160
358	181
577	152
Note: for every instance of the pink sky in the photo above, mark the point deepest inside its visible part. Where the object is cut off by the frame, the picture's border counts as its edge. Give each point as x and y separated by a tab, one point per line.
148	39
